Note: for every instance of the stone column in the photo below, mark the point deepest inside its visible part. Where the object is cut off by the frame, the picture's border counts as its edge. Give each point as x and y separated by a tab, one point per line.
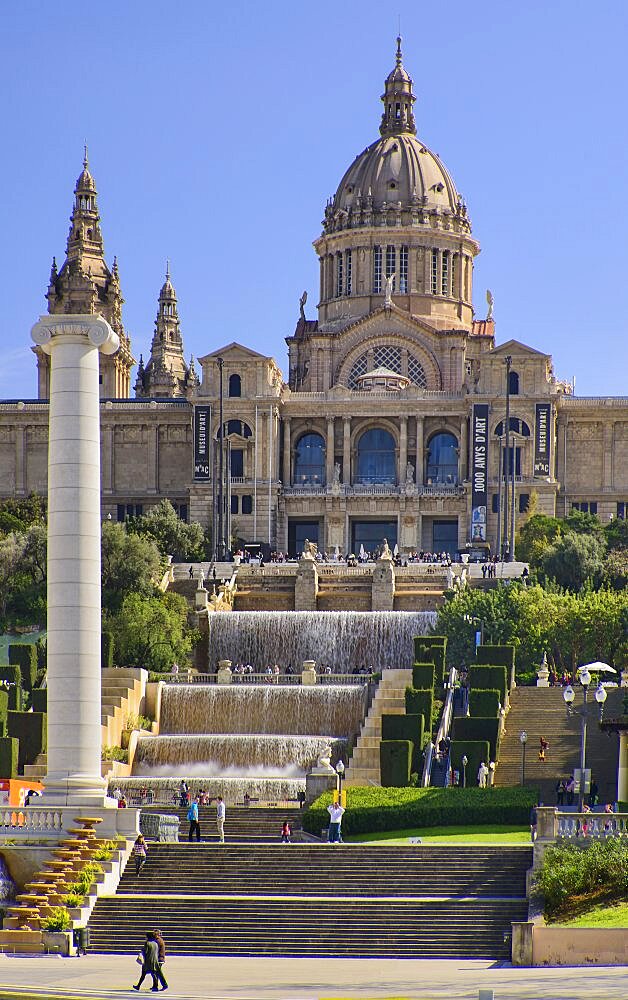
331	447
74	625
622	770
403	449
20	459
464	446
287	452
420	471
346	451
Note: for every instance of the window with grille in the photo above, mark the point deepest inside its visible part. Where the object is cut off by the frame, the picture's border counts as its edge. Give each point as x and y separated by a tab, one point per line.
454	273
247	504
347	272
621	510
388	357
403	270
391	263
338	274
377	270
359	368
434	282
416	372
444	274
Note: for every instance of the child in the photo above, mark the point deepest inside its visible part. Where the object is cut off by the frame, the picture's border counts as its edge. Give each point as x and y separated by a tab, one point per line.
286	832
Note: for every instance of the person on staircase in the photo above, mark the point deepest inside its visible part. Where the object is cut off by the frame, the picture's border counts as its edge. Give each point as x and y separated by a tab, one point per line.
336	812
543	747
140	851
220	819
195	827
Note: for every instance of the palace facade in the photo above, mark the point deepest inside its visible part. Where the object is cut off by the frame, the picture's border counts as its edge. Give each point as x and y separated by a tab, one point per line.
400	417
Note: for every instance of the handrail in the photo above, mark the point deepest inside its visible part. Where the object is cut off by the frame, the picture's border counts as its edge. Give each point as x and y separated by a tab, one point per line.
268	679
443	729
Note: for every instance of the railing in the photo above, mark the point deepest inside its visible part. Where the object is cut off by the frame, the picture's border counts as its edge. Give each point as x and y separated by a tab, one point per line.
443	729
590	825
268	679
32	823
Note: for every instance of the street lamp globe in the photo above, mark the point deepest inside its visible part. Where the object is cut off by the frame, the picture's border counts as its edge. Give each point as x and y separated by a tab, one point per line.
465	760
523	736
569	694
340	769
585	677
600	695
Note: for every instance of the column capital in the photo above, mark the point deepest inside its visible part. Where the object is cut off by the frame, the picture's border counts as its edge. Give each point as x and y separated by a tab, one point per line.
72	327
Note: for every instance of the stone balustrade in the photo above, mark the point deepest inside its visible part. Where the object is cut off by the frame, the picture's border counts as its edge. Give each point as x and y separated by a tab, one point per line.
34	823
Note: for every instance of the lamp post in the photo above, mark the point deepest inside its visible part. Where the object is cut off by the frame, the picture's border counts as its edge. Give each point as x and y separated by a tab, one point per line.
569	695
221	490
523	739
472	620
340	771
506	540
465	761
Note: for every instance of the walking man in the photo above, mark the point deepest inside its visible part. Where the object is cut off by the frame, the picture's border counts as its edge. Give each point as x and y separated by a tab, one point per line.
483	773
195	827
220	819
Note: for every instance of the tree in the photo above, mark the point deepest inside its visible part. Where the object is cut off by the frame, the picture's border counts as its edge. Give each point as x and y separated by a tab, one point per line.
152	632
16	514
184	542
535	537
130	563
12	550
615	570
573	559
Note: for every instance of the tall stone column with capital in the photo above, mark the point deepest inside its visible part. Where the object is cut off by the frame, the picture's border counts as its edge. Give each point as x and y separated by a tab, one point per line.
74	624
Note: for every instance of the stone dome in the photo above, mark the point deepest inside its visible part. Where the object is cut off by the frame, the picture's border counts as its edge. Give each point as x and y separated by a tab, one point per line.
397	180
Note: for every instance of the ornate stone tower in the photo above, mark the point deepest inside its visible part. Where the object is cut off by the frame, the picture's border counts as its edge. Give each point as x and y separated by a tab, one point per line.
86	286
166	373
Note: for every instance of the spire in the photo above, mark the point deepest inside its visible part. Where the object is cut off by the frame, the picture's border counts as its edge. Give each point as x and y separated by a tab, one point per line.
398	99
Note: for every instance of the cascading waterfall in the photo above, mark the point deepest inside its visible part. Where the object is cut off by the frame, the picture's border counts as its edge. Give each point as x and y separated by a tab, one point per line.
263	708
340	639
256	739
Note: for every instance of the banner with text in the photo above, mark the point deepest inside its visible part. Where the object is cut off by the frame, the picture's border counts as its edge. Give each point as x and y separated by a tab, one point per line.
542	440
479	470
202	442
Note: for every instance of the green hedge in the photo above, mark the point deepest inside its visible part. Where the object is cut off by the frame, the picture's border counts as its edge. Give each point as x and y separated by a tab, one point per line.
492	678
24	656
423	675
484	704
9	750
373	809
395	759
403	727
13	675
470	730
420	702
4	708
30	729
432	648
501	656
107	646
476	751
39	699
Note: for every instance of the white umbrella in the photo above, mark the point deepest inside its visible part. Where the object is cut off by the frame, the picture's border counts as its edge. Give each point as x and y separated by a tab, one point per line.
396	550
337	553
597	668
362	552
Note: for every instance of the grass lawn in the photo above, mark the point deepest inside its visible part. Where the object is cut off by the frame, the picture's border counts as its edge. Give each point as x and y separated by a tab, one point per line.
448	835
604	915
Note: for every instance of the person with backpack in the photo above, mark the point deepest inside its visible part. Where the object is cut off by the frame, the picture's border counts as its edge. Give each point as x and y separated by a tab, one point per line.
195	827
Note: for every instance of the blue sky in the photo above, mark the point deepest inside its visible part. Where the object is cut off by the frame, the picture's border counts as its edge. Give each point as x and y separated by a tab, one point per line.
217	132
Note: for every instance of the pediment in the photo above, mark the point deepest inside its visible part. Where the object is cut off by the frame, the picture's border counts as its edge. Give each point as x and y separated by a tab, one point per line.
390	320
234	351
516	349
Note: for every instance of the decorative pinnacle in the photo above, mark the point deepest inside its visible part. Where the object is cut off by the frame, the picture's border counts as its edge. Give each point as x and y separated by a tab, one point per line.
85	157
167	268
399	56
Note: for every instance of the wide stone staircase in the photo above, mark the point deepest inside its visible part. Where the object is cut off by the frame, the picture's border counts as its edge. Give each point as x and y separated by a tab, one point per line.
252	824
541	712
317	899
389	699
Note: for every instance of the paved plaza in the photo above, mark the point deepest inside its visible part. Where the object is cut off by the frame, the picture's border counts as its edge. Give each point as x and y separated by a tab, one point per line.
109	976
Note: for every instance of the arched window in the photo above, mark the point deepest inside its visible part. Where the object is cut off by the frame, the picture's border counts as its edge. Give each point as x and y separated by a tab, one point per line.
513	383
235	385
442	460
516	425
376	460
235	427
309	460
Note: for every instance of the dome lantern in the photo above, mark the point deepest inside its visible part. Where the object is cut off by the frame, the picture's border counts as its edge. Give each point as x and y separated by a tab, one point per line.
398	100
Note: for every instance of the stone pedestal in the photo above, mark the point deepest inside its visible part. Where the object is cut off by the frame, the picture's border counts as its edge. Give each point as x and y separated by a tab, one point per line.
308	675
318	781
306	585
200	599
542	677
74	612
224	675
383	593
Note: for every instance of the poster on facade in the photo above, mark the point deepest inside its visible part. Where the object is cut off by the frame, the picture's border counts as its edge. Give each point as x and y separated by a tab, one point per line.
479	467
541	440
202	442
